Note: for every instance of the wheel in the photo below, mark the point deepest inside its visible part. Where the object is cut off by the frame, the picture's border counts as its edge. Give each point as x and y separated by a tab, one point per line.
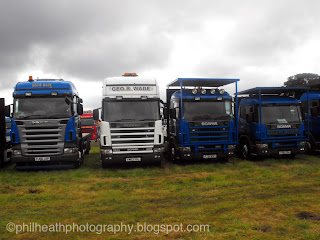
105	165
245	150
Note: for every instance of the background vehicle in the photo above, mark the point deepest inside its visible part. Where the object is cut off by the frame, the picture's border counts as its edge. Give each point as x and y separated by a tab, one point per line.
270	122
88	125
313	108
131	126
46	128
5	144
201	123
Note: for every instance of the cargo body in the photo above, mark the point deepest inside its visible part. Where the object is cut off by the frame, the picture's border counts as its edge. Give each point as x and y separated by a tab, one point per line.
131	126
200	119
46	128
271	123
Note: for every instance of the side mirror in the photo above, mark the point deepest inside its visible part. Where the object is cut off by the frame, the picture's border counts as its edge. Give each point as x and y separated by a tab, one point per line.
80	100
96	114
7	111
173	113
165	112
79	109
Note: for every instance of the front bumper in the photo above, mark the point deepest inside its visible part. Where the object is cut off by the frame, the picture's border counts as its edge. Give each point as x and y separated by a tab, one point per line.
57	159
112	159
277	151
204	155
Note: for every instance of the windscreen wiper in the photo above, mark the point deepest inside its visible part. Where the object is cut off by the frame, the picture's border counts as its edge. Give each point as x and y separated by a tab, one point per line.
32	117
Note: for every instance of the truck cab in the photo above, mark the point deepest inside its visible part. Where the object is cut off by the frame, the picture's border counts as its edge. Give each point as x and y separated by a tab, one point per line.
45	126
271	123
131	125
201	121
312	108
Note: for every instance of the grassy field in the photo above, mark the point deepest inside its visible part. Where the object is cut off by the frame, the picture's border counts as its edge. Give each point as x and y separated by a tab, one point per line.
269	199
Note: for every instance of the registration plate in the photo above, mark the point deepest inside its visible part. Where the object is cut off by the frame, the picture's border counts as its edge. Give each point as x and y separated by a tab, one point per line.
40	159
284	152
210	156
133	159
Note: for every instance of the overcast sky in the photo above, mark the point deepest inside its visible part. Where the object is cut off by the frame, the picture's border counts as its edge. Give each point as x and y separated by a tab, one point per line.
260	42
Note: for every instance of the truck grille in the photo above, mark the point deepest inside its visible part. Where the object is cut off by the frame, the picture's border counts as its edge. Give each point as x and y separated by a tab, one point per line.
131	140
42	139
212	134
283	133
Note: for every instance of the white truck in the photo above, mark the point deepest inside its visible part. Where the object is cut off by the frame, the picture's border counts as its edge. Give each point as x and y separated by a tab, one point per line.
131	125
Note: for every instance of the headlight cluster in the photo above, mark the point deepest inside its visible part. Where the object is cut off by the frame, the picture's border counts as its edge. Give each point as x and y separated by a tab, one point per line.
158	150
106	151
262	145
70	150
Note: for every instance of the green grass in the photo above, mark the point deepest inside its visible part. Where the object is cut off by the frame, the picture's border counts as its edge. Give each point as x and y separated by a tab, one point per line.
238	199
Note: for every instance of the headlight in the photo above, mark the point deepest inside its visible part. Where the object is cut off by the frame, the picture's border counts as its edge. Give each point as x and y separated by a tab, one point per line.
16	152
70	150
221	91
106	151
213	91
194	91
158	150
203	91
231	147
186	149
302	144
262	145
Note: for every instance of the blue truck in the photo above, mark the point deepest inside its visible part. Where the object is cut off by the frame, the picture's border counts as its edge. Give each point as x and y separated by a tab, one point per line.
200	119
45	125
312	108
271	122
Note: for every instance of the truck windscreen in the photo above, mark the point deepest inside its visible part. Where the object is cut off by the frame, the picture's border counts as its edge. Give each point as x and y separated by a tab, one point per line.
114	111
87	122
43	108
280	114
198	111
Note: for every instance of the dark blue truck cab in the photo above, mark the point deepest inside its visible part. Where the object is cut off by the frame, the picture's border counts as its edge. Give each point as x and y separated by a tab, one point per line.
200	120
271	123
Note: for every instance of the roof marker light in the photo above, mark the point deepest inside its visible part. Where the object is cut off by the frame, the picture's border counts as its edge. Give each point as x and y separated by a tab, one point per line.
203	91
213	91
222	91
130	74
